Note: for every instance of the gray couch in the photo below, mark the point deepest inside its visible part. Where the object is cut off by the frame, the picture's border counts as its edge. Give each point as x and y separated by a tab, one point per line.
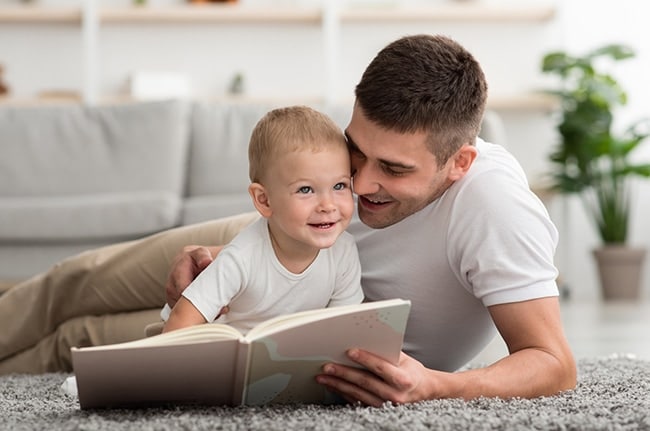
74	178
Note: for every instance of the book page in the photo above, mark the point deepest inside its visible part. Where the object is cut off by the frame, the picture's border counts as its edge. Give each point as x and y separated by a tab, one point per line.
283	365
191	334
287	321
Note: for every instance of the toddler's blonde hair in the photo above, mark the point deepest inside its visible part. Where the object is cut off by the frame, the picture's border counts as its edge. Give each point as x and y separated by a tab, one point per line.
289	129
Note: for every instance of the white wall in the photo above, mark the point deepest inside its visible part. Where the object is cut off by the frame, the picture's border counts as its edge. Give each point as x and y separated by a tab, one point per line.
286	60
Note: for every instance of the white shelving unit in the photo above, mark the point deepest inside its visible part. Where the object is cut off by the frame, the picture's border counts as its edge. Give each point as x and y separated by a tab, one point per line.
330	19
470	11
40	15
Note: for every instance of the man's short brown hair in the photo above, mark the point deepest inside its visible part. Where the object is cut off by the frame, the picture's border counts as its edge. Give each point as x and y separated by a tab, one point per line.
426	83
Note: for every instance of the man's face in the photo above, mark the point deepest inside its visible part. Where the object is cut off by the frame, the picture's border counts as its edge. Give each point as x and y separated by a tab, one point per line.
394	174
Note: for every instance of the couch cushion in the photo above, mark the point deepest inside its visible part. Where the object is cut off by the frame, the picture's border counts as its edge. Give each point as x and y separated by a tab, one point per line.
75	150
219	143
103	216
219	147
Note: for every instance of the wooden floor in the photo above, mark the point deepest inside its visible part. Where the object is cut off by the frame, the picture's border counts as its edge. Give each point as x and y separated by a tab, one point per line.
596	329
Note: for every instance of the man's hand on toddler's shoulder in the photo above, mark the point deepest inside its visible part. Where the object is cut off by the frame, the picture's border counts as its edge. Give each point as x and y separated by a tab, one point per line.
187	265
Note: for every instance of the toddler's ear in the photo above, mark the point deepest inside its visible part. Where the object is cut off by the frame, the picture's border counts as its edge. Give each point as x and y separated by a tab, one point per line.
260	199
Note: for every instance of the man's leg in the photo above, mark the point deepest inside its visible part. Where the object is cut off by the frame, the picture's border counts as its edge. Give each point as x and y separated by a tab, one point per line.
115	279
52	353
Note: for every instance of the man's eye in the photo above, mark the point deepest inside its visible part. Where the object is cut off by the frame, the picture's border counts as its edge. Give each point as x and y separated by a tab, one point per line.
340	186
392	172
305	189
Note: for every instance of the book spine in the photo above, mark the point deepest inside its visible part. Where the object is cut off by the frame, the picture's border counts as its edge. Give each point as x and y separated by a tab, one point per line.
242	366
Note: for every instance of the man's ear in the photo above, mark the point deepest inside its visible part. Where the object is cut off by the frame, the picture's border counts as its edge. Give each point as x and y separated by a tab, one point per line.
260	199
462	161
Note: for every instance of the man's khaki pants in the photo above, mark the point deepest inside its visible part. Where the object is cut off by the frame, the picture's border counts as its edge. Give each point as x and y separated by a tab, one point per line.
103	296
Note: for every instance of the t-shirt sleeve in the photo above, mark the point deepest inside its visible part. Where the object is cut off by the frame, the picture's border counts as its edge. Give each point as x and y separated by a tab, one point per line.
347	289
165	312
217	284
502	241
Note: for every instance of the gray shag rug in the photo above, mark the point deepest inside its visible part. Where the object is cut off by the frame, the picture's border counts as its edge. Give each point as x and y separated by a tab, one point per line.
613	393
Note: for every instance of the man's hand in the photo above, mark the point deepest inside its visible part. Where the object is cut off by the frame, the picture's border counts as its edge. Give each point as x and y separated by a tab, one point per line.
381	381
186	266
540	363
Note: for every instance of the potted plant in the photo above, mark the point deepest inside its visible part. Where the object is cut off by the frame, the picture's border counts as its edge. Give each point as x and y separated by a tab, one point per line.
593	161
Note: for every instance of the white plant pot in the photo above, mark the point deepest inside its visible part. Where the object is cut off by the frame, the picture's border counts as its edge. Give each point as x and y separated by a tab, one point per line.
620	268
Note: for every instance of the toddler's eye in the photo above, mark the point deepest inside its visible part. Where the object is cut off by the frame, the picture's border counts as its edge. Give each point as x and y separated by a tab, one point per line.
305	189
340	186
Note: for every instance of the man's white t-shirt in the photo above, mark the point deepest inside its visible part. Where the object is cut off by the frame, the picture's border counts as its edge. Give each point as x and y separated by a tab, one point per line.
487	240
248	277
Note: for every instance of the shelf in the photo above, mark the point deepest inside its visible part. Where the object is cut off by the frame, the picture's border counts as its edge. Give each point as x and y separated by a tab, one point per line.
40	15
453	12
6	101
235	13
524	102
92	18
227	13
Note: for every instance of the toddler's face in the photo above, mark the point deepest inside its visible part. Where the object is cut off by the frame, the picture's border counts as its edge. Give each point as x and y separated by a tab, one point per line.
310	196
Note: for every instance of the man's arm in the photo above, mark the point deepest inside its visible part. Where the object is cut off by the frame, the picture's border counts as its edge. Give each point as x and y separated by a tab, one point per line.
187	265
540	363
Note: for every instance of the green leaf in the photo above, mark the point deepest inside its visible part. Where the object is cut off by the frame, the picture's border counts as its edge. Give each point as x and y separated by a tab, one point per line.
615	51
590	159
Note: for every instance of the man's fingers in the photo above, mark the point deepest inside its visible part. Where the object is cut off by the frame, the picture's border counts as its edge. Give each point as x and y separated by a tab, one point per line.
381	369
186	266
357	384
202	258
377	382
224	310
343	381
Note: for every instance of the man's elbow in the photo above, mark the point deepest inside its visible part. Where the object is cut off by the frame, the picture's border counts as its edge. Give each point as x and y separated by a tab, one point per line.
567	373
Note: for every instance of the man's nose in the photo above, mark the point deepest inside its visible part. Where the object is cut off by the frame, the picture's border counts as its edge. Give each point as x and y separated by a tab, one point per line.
364	180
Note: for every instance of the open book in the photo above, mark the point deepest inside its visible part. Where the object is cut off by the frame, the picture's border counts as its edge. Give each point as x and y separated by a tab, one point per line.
276	362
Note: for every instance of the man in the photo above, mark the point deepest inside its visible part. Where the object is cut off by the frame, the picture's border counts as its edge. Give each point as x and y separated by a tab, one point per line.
445	220
450	225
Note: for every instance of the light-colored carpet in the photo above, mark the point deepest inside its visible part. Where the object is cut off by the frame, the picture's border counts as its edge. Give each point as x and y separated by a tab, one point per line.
612	394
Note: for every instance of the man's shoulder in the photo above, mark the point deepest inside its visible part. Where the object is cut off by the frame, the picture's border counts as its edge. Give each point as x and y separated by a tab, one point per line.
495	171
496	159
